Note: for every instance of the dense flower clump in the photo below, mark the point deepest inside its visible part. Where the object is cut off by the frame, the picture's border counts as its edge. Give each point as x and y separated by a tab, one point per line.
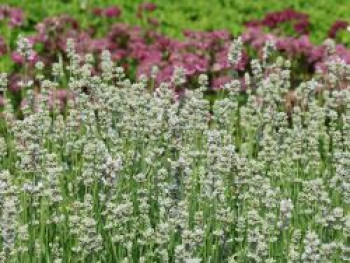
112	148
142	50
124	171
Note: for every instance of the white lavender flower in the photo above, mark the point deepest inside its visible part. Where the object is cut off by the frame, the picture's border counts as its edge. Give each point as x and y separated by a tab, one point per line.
286	208
25	47
203	80
269	47
179	77
3	82
107	65
235	51
312	248
125	174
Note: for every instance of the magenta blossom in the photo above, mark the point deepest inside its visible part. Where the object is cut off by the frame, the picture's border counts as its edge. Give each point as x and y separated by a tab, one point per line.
16	82
219	82
337	26
110	12
19	59
14	15
299	20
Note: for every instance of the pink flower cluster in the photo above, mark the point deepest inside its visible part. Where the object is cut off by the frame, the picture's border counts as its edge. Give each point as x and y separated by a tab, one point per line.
200	52
110	12
139	50
272	20
295	47
13	16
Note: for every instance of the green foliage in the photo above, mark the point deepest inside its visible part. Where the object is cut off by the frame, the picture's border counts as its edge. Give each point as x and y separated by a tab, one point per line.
175	16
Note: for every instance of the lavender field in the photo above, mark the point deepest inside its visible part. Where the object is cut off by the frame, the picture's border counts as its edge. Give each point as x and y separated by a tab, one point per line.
122	143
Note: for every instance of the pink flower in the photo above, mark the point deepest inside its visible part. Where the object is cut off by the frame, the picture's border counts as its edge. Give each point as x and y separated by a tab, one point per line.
337	26
221	34
303	44
219	82
17	58
98	45
119	54
343	53
272	20
150	7
302	26
253	23
15	82
316	54
14	15
112	12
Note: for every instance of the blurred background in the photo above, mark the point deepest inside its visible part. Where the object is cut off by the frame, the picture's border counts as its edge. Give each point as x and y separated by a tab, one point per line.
176	16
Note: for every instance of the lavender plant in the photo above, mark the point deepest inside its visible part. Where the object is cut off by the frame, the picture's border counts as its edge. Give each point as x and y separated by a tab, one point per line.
120	172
